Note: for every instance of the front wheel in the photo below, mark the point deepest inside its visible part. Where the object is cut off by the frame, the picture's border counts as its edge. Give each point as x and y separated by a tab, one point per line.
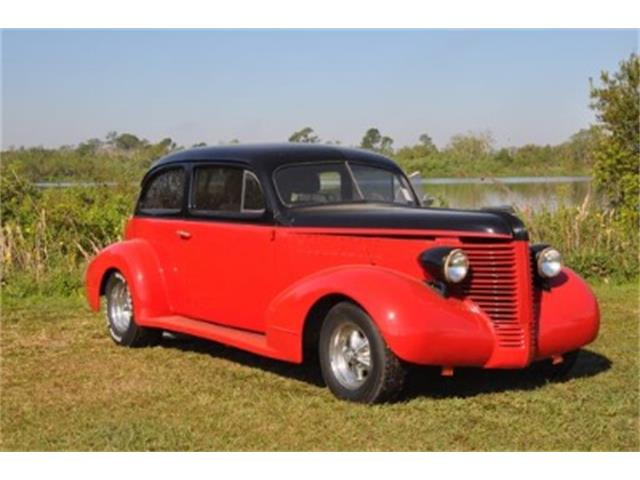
356	362
120	319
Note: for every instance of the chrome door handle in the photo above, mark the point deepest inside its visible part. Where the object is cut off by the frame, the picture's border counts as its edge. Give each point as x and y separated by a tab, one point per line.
183	234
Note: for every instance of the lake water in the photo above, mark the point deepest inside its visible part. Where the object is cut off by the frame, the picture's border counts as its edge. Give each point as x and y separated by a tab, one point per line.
529	192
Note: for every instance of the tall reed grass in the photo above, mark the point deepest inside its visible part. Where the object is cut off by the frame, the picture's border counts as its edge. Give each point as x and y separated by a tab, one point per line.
593	240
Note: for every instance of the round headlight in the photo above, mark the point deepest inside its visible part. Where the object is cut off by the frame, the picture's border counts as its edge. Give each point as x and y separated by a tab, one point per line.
456	266
549	262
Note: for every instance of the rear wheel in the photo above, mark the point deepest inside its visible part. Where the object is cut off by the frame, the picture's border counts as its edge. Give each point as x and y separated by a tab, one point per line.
120	319
355	361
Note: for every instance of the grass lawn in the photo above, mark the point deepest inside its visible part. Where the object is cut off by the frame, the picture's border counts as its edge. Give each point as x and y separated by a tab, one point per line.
66	386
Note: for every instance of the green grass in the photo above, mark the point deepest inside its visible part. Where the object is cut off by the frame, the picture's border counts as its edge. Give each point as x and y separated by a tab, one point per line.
66	386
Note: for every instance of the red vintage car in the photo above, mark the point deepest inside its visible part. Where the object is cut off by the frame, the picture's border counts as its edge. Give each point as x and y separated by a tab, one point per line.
304	251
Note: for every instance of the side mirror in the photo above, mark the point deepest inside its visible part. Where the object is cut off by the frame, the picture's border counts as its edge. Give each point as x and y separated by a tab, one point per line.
427	200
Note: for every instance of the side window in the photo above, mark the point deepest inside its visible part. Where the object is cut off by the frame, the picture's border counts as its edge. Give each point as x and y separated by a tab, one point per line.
225	190
164	193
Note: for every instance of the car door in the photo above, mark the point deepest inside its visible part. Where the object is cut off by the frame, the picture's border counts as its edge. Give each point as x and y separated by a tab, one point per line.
159	221
229	259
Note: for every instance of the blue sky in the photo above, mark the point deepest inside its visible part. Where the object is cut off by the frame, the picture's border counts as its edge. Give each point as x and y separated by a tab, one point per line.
64	86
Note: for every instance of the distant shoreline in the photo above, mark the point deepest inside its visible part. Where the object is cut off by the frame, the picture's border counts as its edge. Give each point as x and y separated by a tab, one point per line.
504	180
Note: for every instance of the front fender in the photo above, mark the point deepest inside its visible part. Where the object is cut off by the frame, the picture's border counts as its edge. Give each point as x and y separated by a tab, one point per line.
137	261
418	324
569	315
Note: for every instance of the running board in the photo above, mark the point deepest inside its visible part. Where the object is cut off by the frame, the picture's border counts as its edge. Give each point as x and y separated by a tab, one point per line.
234	337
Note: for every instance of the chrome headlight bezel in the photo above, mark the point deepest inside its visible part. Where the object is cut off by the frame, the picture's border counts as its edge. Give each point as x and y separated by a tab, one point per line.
549	262
456	266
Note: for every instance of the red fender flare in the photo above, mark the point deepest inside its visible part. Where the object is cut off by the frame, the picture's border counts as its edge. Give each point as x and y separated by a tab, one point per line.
137	261
418	324
569	315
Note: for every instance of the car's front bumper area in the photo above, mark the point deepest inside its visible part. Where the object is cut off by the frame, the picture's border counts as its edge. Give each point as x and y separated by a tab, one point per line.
563	317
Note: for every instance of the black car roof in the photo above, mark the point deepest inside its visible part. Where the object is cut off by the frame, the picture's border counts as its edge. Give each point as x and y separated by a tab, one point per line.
268	157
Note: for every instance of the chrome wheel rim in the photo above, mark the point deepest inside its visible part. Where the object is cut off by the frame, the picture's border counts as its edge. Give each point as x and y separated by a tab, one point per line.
350	355
120	305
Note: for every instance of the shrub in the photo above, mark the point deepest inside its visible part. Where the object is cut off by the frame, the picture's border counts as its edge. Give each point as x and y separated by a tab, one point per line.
593	242
46	237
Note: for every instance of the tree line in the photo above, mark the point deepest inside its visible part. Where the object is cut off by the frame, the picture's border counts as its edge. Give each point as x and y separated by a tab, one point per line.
610	149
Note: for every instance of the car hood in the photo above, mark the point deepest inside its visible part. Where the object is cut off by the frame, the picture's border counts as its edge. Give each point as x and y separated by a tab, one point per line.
390	216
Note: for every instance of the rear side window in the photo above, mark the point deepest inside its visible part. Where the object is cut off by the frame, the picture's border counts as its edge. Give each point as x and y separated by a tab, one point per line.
164	193
225	190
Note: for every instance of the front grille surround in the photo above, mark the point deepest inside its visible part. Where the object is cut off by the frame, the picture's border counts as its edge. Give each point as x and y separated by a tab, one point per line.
500	284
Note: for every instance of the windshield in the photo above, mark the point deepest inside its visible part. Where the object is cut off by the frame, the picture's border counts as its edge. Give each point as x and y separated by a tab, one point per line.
341	182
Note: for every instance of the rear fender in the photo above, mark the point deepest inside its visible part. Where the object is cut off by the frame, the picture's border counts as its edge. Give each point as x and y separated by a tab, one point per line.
137	261
418	324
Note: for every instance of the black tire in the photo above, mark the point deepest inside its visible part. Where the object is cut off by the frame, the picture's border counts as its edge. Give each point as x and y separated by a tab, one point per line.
560	370
385	373
125	333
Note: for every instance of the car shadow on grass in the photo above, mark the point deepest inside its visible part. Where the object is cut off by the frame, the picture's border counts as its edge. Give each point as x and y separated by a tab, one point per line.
308	373
469	382
421	381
